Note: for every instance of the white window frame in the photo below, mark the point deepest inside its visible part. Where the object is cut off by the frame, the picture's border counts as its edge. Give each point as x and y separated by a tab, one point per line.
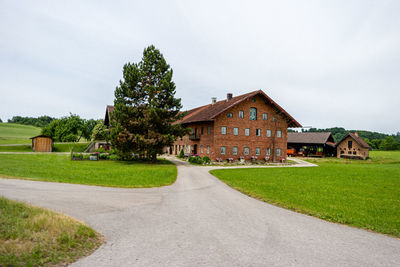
223	150
253	111
201	149
268	151
278	152
258	132
269	133
208	150
247	131
241	114
278	133
235	131
258	151
265	116
223	130
209	130
235	150
246	149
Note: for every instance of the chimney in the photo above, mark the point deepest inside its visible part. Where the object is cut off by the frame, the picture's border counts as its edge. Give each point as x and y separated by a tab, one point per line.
229	96
213	100
355	133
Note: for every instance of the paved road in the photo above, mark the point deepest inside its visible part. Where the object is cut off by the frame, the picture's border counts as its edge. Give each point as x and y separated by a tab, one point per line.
201	221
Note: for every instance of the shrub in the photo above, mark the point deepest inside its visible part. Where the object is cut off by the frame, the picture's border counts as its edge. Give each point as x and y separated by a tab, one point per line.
181	154
104	156
196	160
206	159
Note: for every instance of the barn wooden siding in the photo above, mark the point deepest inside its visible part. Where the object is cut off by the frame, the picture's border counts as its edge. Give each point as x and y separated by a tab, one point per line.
42	144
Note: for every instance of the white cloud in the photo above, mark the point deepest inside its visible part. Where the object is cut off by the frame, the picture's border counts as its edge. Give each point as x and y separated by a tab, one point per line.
327	63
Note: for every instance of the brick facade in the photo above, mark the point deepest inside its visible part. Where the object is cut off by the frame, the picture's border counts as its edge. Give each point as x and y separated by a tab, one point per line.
214	139
353	149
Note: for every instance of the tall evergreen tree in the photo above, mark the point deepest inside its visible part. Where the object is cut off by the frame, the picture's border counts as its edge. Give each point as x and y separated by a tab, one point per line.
145	108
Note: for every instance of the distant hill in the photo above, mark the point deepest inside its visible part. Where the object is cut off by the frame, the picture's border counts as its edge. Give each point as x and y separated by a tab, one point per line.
12	133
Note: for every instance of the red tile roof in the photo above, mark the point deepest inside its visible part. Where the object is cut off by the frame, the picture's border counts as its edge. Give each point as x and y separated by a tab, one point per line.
210	111
358	139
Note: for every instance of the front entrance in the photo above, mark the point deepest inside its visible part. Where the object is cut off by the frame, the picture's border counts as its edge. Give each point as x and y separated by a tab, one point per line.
194	149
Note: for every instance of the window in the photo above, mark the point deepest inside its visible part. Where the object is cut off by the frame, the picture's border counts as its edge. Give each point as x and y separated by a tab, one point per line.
275	119
235	131
354	152
230	115
341	151
223	130
253	100
209	130
246	151
350	144
349	152
247	132
208	149
278	152
258	132
202	130
268	152
234	150
265	116
241	114
223	150
253	114
268	133
257	151
201	149
279	134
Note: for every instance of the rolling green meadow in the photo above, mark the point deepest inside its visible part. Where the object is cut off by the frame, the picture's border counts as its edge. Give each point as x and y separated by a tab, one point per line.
11	133
364	194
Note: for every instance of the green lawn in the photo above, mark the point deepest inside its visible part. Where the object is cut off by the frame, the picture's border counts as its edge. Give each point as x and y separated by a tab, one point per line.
59	147
32	236
59	168
365	194
11	133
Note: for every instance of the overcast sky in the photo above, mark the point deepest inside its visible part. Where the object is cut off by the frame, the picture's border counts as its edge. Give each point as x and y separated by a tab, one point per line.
328	63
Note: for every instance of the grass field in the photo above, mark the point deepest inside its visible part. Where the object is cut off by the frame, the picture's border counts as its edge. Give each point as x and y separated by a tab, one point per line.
31	236
11	133
364	194
59	168
59	147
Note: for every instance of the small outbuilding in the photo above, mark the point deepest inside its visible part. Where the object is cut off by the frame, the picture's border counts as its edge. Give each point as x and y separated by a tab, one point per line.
352	146
42	143
311	144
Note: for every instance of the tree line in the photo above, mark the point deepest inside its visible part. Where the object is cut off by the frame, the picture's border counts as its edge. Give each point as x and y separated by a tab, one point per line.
41	121
376	140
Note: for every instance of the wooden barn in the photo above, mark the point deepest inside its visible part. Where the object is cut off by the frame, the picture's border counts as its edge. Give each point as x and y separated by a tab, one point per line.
313	144
42	143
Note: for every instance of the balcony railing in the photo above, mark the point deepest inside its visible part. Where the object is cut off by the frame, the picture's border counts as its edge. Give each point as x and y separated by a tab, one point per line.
194	137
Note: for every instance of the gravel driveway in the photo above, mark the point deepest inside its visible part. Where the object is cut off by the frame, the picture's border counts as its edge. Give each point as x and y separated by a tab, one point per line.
201	221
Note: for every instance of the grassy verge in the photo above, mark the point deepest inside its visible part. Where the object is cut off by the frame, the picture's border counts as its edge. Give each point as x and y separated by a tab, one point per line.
32	236
12	133
364	194
21	148
78	147
59	168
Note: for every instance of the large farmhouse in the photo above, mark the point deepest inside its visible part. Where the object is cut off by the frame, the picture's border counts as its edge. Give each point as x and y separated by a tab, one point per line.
247	126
